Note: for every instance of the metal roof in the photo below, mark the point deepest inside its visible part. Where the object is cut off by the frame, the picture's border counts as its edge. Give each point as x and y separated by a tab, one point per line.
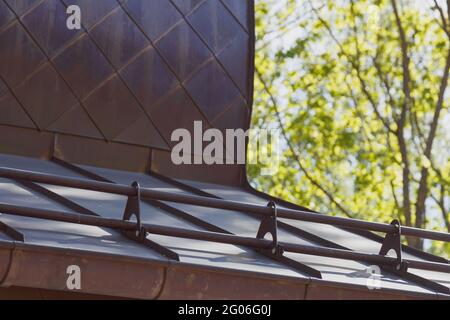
133	73
85	114
193	254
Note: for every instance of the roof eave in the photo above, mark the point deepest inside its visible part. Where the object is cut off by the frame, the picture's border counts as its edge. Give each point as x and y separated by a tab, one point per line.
35	266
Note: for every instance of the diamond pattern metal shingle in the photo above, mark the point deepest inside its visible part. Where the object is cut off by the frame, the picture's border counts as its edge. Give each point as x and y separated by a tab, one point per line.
42	22
118	37
185	6
235	117
113	107
154	17
171	58
176	103
184	50
148	77
77	122
220	29
68	63
222	91
21	6
19	55
3	88
142	132
93	10
13	113
34	95
239	9
6	15
235	59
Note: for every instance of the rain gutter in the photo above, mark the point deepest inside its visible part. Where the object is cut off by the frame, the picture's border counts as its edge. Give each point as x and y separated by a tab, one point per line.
36	266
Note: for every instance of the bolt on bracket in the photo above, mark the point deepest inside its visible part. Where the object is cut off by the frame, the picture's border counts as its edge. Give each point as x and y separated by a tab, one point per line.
393	241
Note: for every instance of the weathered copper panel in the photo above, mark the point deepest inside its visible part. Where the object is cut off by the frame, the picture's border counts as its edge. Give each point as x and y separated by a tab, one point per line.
220	29
192	283
149	78
6	15
235	117
215	173
76	122
119	37
3	87
153	17
12	112
183	50
240	9
21	6
46	23
113	108
67	63
138	280
134	72
176	103
93	10
26	142
99	153
5	259
21	293
45	96
325	292
19	54
185	6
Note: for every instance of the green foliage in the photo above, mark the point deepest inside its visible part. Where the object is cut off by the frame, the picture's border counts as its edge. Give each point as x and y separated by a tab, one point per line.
334	71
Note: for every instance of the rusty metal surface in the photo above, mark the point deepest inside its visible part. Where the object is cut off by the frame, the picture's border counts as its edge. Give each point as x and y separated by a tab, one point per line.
121	77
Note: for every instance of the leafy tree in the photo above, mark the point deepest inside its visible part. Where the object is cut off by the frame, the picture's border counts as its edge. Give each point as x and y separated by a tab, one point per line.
359	89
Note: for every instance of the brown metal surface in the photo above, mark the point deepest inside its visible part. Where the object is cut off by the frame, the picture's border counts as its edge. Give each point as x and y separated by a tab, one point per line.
135	71
100	272
147	280
218	203
184	282
23	293
218	237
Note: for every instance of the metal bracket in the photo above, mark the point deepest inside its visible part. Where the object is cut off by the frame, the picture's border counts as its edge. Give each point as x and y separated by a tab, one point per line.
392	241
269	226
133	208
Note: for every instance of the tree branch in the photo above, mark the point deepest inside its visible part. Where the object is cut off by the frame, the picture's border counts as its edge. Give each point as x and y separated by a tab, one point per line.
444	22
423	184
441	204
401	121
292	150
397	203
